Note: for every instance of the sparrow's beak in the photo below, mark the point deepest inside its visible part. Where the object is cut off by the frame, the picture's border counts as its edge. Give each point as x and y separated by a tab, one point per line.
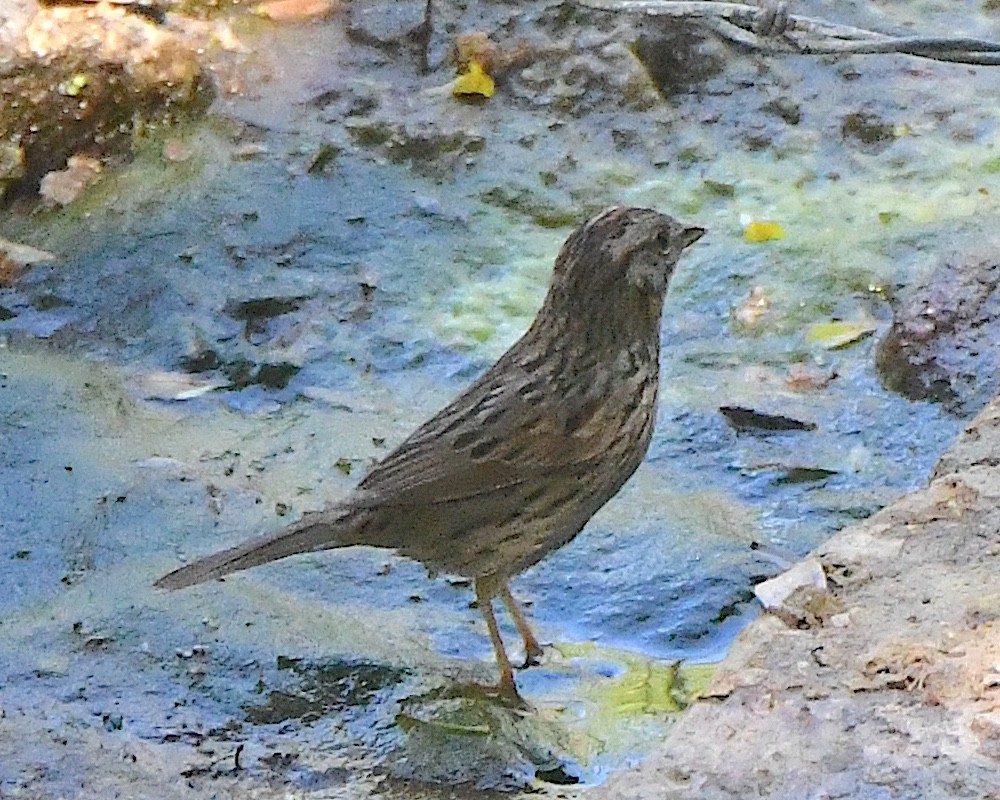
692	235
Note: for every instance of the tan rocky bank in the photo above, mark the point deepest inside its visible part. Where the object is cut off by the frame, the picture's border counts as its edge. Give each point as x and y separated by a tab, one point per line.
885	684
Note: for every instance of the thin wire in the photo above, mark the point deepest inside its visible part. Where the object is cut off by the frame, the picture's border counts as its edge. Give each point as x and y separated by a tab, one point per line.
770	29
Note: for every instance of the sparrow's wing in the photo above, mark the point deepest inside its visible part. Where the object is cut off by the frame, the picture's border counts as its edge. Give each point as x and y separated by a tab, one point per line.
517	424
498	434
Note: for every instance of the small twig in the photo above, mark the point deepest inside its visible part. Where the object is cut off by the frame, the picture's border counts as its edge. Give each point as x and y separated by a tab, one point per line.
771	29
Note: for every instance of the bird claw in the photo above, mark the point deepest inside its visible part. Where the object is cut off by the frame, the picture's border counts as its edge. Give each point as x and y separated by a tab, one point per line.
505	694
510	697
532	657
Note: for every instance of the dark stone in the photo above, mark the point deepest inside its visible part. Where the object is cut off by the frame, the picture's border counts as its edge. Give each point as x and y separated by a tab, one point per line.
868	131
429	148
748	419
240	373
388	22
678	55
785	108
323	689
943	343
261	308
276	376
202	361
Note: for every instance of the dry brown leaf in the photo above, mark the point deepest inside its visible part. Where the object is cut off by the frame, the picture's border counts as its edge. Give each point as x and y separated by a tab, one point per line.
15	258
295	10
750	311
804	378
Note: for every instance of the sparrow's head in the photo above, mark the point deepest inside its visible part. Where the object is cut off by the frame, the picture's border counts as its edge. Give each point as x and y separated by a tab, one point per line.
621	255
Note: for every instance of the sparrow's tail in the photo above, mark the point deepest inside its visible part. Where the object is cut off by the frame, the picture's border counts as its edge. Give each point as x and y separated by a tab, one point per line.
321	530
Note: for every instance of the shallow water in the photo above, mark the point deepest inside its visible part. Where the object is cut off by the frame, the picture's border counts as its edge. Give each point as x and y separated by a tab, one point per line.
345	307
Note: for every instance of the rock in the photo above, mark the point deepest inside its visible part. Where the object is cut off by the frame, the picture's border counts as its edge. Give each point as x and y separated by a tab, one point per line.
677	54
384	23
11	163
429	147
62	187
799	596
857	707
82	80
986	727
942	345
868	132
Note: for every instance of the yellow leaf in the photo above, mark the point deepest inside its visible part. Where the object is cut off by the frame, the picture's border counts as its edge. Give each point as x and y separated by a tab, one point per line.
763	231
75	85
476	81
833	335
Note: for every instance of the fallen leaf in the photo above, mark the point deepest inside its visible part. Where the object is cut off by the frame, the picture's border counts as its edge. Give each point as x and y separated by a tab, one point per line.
803	378
293	10
15	258
749	312
746	419
794	475
474	82
75	85
763	231
24	253
837	334
718	189
173	386
475	47
344	465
